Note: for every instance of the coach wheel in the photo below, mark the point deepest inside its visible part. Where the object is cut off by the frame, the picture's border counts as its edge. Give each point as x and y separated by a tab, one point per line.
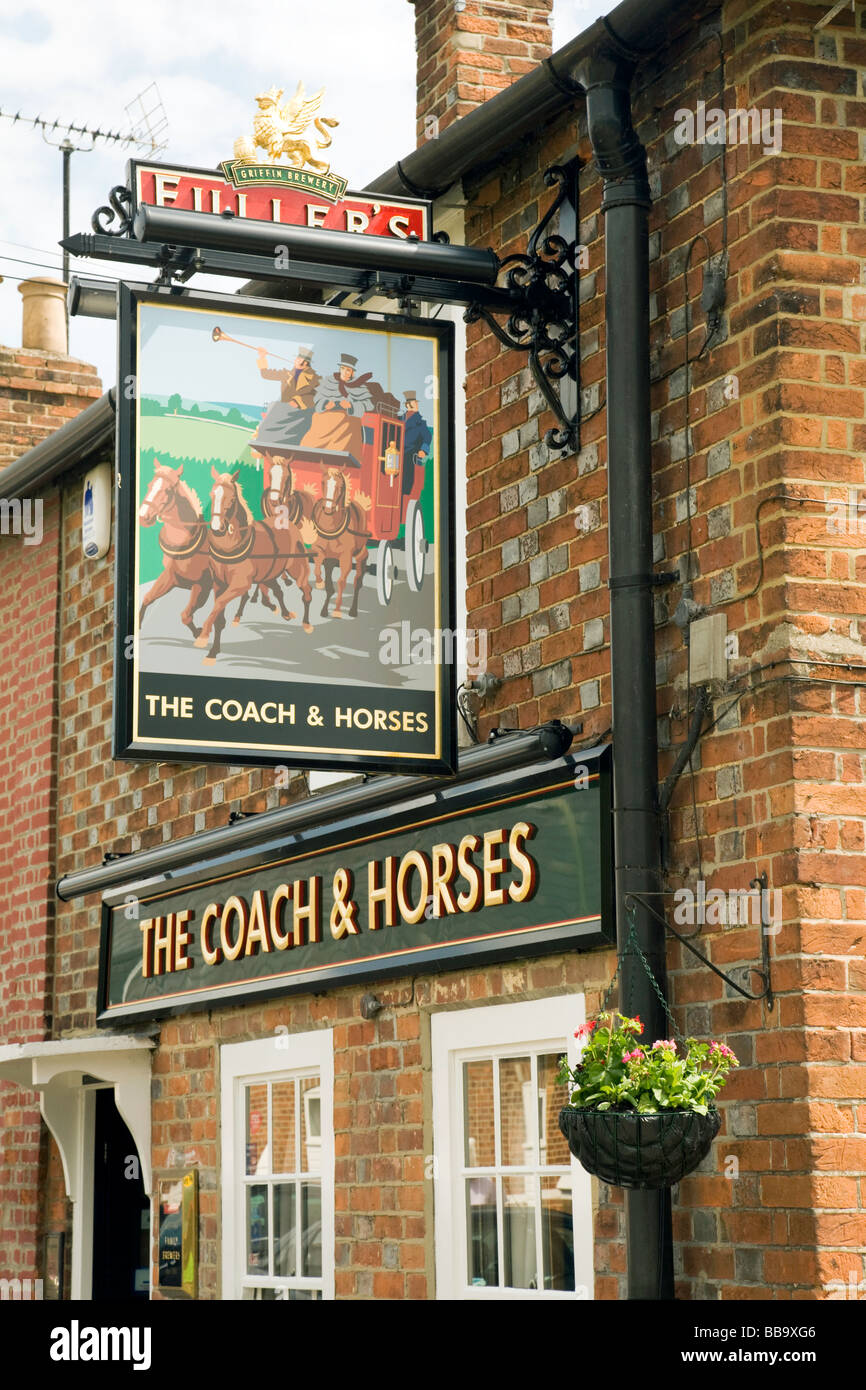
385	573
416	546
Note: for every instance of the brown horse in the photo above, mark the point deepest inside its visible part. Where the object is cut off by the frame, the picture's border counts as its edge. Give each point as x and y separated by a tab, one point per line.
282	507
245	552
183	541
338	533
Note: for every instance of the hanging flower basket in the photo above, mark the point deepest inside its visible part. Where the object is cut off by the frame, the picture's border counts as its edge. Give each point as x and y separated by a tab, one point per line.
632	1150
641	1117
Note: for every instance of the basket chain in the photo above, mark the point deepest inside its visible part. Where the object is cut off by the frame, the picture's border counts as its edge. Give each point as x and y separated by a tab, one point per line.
632	948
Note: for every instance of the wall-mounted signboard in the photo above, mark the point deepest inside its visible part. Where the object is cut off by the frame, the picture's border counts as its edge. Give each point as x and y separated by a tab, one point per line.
285	589
513	864
270	192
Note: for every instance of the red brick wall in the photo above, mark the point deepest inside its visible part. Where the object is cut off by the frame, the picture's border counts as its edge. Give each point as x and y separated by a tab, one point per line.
777	406
467	53
38	392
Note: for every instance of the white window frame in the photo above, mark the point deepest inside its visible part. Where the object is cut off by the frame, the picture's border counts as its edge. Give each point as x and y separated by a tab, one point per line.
508	1030
280	1057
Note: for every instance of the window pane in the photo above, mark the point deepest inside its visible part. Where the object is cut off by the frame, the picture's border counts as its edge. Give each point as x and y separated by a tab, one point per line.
311	1125
521	1264
285	1239
481	1237
515	1112
551	1099
257	1151
282	1295
257	1229
283	1125
557	1232
311	1230
479	1139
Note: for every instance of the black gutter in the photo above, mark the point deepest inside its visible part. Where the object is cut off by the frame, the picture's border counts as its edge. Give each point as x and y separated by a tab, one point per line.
75	441
634	29
487	760
626	202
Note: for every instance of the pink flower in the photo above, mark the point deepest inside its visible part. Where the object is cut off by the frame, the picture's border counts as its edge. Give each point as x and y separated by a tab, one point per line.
585	1030
722	1050
636	1055
666	1042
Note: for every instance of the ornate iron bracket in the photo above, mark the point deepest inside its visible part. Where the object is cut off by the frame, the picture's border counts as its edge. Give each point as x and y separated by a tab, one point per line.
545	324
120	199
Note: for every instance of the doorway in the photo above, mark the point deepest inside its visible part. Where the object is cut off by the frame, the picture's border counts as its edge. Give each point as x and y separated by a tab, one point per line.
121	1208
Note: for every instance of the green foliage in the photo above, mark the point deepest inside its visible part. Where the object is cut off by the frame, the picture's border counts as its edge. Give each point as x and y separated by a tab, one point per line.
615	1073
174	403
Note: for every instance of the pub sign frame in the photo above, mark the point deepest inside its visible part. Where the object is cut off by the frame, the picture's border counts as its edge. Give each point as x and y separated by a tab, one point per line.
164	949
280	685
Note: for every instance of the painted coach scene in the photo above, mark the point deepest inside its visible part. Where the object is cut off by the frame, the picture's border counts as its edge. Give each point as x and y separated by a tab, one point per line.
286	499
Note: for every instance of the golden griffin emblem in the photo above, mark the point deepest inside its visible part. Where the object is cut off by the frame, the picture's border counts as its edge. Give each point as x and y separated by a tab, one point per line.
278	129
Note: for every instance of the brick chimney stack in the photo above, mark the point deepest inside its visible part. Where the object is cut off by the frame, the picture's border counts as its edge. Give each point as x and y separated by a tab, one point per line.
468	50
41	386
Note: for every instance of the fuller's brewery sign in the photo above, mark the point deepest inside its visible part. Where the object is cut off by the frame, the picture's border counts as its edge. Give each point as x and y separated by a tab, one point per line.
286	506
300	192
506	865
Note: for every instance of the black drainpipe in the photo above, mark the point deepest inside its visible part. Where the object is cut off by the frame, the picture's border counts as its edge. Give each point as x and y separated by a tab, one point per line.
621	160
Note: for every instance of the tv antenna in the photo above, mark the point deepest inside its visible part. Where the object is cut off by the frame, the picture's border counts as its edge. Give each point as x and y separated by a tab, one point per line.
148	130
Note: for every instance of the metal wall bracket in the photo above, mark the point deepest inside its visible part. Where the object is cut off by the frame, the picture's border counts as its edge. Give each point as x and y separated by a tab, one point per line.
546	322
763	971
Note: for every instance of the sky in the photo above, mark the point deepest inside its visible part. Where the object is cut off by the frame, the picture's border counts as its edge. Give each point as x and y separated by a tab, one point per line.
86	63
178	354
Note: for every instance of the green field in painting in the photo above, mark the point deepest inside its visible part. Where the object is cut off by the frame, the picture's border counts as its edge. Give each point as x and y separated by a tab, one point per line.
188	436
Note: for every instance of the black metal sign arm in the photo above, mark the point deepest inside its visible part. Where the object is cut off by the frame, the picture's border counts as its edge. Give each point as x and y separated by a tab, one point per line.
184	261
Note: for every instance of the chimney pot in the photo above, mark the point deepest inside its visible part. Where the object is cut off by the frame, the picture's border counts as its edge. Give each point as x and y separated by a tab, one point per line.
44	314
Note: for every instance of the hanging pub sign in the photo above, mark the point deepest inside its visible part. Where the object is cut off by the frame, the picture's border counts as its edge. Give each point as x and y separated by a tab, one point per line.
285	514
511	864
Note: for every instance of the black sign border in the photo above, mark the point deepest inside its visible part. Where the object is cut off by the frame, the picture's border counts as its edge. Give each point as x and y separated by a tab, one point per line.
582	936
123	745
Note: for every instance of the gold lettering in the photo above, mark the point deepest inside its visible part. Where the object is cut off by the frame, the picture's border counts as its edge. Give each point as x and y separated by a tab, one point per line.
415	859
146	929
309	912
236	906
182	939
386	893
522	891
211	955
282	940
494	896
471	901
258	928
162	933
444	865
